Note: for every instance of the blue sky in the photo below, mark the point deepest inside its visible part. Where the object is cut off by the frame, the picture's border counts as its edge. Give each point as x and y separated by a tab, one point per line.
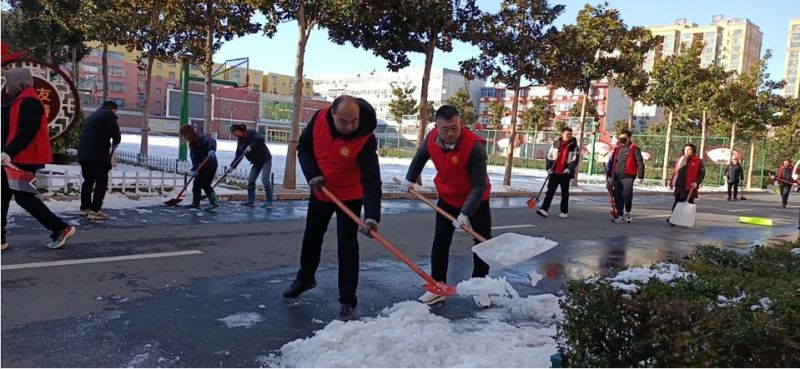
322	56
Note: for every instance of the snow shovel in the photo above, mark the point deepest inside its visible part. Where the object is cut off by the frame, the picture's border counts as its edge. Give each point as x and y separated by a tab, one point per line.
611	201
20	180
503	251
684	212
235	163
432	286
533	201
178	199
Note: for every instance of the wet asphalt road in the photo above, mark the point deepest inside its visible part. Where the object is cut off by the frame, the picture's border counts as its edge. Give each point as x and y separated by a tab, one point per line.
165	311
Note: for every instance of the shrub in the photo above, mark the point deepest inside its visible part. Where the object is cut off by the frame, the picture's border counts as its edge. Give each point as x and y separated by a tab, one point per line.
719	318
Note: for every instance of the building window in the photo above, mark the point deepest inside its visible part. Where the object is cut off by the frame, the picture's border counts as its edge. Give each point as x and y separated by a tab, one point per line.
96	52
116	86
171	75
172	65
140	85
116	55
796	27
158	104
116	71
158	91
171	86
159	65
794	44
737	33
158	78
90	68
120	102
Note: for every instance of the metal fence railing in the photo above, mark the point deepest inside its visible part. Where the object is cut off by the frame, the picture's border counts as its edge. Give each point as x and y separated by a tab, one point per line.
237	177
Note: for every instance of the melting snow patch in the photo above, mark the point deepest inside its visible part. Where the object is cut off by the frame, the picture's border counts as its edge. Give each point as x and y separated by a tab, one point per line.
409	335
534	278
486	286
664	272
247	320
795	251
764	304
315	320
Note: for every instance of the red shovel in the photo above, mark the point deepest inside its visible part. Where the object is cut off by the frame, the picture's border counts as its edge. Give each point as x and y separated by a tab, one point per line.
533	201
177	199
432	286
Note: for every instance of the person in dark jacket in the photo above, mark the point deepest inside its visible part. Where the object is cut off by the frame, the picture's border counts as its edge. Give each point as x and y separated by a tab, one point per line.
734	174
99	139
562	162
338	150
200	148
784	181
687	175
623	167
26	147
254	148
464	190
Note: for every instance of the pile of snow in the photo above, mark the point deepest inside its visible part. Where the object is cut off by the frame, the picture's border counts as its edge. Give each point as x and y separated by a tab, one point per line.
409	335
486	286
764	304
534	278
627	280
723	301
795	251
111	201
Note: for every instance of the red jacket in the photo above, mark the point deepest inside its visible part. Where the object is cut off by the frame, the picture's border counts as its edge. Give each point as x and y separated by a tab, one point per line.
452	176
338	161
38	151
691	172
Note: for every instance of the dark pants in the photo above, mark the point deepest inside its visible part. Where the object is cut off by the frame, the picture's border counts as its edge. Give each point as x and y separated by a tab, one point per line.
680	196
317	219
623	194
557	180
735	188
95	185
203	182
785	189
33	205
443	236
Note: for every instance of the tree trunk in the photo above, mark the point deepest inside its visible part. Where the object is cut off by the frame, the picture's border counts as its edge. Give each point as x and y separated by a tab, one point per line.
733	140
667	142
423	95
513	137
580	135
703	136
208	67
630	114
146	106
104	71
750	166
290	169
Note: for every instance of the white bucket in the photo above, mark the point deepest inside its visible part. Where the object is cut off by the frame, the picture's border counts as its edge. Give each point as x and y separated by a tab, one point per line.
509	249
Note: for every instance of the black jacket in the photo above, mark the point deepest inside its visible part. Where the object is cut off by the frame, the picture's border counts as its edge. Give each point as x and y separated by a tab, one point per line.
367	159
260	152
573	158
30	119
199	151
734	173
97	134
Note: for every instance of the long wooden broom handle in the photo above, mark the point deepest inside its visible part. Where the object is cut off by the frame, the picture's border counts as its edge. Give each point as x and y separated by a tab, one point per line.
442	212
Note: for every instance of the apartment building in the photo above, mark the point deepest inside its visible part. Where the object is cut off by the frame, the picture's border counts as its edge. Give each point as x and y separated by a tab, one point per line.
791	70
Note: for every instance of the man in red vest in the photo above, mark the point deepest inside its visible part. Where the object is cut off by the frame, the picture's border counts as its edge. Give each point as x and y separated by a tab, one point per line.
339	151
562	163
26	147
624	166
687	175
463	186
784	181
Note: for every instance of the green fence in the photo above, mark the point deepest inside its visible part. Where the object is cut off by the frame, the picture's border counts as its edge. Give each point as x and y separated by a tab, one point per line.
531	150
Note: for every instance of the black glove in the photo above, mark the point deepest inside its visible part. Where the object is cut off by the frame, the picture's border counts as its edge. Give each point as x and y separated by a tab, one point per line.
371	225
316	183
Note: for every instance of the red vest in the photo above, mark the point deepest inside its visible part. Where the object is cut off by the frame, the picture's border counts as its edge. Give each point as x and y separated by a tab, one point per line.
452	176
631	168
691	172
338	160
38	151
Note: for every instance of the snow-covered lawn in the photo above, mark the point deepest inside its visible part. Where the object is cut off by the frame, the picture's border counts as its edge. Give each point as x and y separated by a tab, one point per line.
111	201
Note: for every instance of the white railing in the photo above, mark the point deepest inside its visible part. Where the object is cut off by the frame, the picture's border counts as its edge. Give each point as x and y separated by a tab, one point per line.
117	182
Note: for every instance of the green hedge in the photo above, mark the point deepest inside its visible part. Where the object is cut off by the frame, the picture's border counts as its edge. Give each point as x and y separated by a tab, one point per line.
684	325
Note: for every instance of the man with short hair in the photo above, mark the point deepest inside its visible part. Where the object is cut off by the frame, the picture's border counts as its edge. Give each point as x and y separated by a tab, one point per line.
562	163
623	167
464	190
26	147
99	138
733	175
784	181
338	150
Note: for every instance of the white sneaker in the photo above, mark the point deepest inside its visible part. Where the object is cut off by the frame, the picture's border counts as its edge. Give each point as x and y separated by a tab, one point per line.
628	218
4	246
562	215
483	301
430	298
542	213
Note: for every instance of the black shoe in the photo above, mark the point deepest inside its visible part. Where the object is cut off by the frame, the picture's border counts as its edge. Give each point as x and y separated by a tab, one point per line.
296	288
347	313
670	223
783	206
729	199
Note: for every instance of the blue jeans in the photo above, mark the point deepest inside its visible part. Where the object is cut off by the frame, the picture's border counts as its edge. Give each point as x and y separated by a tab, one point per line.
265	171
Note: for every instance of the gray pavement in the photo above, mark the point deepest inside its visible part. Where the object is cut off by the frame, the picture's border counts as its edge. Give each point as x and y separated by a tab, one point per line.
165	311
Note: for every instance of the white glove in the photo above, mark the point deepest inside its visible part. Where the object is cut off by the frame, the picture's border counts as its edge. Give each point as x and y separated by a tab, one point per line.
694	185
566	172
6	158
549	171
248	149
462	220
408	185
609	181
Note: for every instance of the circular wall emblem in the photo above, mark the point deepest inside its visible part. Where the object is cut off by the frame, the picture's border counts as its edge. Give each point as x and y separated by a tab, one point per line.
55	89
344	151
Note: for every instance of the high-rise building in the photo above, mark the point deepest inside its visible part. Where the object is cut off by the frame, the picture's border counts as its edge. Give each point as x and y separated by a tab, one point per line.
376	87
791	70
733	44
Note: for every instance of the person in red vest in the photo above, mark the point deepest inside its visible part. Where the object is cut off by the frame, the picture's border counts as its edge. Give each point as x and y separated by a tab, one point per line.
26	147
784	181
562	163
624	166
688	174
463	186
338	150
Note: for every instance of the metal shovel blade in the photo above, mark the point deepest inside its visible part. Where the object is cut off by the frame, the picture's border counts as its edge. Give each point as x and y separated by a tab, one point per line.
509	249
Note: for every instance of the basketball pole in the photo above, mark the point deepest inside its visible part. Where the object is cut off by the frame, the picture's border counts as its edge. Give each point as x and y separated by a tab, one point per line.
184	108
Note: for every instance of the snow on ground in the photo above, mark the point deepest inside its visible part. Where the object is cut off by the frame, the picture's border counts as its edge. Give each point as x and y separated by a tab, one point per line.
485	286
111	201
795	251
517	333
627	280
244	319
523	179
